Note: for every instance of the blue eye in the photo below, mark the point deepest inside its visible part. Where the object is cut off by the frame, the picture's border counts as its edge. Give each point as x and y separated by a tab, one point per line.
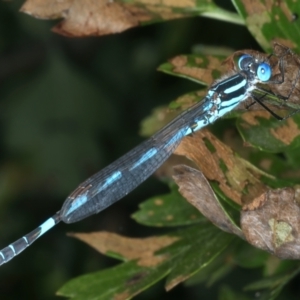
244	62
264	72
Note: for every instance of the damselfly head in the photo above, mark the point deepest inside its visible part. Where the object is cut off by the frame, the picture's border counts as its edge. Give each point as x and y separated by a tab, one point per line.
261	70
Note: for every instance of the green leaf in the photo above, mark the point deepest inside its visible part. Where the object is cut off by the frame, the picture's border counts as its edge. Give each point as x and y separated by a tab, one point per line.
167	210
271	163
202	245
215	271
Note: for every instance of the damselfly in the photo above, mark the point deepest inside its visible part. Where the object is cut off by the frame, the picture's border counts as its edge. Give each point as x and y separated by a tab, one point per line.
125	174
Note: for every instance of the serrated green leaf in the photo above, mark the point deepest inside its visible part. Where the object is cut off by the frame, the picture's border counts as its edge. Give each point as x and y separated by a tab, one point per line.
203	245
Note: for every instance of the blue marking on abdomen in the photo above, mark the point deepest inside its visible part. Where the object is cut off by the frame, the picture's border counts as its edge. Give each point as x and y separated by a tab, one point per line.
76	203
47	225
144	158
178	136
12	249
115	176
81	199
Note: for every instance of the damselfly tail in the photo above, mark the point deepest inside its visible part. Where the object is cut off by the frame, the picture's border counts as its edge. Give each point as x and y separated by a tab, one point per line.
21	244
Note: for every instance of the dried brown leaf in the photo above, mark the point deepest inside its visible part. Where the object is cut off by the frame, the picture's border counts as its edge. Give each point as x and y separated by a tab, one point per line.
99	17
87	17
46	9
195	188
272	222
96	18
197	71
287	132
251	118
142	249
256	6
220	164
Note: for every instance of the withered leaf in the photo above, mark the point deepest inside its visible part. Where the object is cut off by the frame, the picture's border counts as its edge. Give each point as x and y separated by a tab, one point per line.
195	188
195	67
219	163
46	9
85	17
91	17
141	249
272	222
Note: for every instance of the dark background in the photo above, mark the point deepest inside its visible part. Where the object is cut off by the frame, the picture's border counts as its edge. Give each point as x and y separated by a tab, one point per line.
69	107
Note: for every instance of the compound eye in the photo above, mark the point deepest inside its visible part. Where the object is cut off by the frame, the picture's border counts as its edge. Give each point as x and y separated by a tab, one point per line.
264	72
245	61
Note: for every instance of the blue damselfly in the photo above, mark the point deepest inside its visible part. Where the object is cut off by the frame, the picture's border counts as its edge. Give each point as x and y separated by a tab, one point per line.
125	174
